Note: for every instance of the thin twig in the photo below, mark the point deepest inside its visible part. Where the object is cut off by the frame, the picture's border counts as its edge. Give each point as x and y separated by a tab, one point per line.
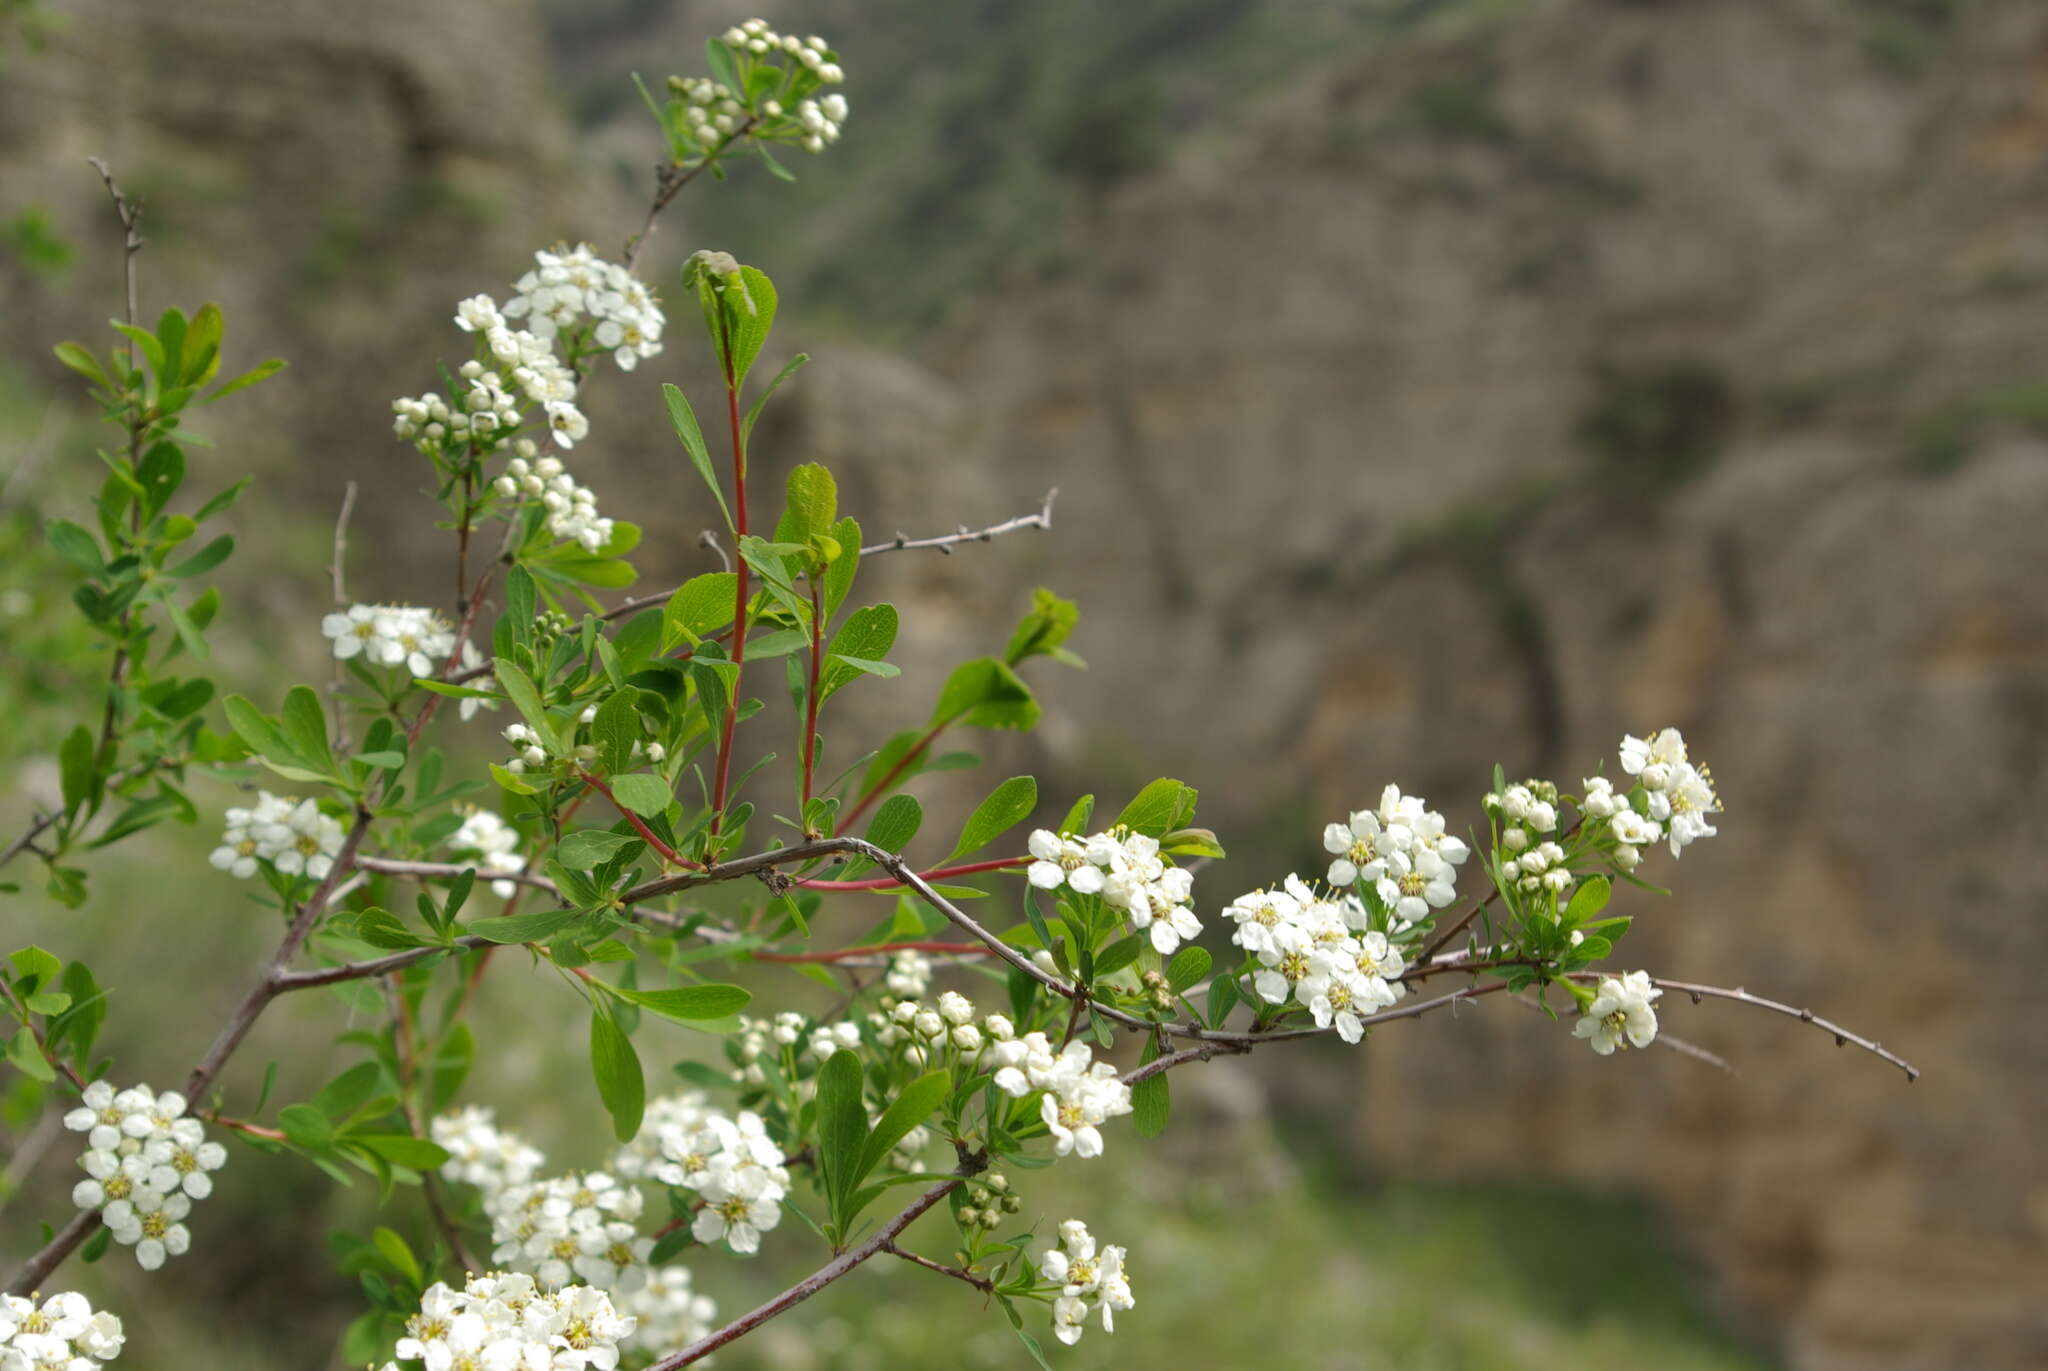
946	542
1843	1037
822	1277
981	1283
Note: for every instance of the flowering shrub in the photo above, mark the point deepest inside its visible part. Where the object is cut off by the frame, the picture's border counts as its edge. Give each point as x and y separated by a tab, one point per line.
621	789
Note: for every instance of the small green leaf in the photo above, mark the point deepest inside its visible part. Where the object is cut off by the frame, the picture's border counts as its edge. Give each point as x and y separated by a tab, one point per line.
1188	966
590	847
615	729
895	823
1159	808
813	504
863	640
1151	1098
700	607
306	1126
689	1003
645	794
620	1082
27	1057
842	1132
906	1112
522	928
519	688
684	420
75	545
1588	900
1119	955
1006	806
985	693
402	1149
396	1252
75	767
304	726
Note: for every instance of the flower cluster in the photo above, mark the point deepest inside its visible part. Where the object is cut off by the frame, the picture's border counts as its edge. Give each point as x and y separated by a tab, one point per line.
62	1333
493	844
668	1312
572	513
1401	852
505	1321
408	636
910	975
1128	872
736	1170
296	839
1619	1015
1081	1094
1089	1278
145	1162
568	286
1320	952
481	1154
561	1228
1678	794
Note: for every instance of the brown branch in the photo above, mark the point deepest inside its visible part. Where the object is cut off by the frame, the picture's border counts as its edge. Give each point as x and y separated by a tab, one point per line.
1843	1037
669	181
981	1283
822	1277
946	542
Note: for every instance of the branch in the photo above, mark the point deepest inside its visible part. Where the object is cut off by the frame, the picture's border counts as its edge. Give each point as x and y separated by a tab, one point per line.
981	1283
946	542
1843	1037
822	1277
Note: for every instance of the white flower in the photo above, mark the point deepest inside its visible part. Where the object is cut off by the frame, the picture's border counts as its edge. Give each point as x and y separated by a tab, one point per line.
1620	1015
304	841
1087	1280
155	1229
1362	847
910	974
481	1154
62	1333
668	1312
495	845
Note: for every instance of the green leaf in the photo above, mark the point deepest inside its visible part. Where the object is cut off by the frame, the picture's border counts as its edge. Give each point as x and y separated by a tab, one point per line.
1119	955
349	1091
616	729
864	639
1006	806
789	369
839	575
27	1057
81	360
306	1126
895	823
75	766
684	420
689	1003
813	504
718	57
304	725
1223	997
395	1250
842	1132
906	1112
262	371
646	795
1588	900
1188	966
75	545
402	1149
1159	808
620	1082
700	607
522	928
1151	1099
204	560
1043	632
521	604
589	847
749	325
509	782
985	693
519	689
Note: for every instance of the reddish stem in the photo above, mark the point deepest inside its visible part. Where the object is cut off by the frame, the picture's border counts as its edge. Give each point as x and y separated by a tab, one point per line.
668	853
875	791
811	701
891	883
842	954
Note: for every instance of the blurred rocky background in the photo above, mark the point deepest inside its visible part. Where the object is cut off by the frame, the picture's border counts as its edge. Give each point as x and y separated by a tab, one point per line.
1427	383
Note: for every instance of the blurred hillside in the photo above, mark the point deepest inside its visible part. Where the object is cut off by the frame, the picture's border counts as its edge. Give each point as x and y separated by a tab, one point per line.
1428	384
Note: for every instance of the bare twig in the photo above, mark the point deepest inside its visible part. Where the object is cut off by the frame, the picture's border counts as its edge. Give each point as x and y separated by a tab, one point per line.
1843	1037
981	1283
822	1277
946	542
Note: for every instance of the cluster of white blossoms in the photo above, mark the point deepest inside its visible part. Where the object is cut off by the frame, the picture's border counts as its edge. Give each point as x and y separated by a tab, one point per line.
505	1322
1089	1278
62	1333
296	839
572	513
910	974
1681	795
145	1162
1128	872
1081	1094
1620	1015
482	1154
570	285
1401	850
668	1312
563	1228
734	1167
408	636
1319	951
494	846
